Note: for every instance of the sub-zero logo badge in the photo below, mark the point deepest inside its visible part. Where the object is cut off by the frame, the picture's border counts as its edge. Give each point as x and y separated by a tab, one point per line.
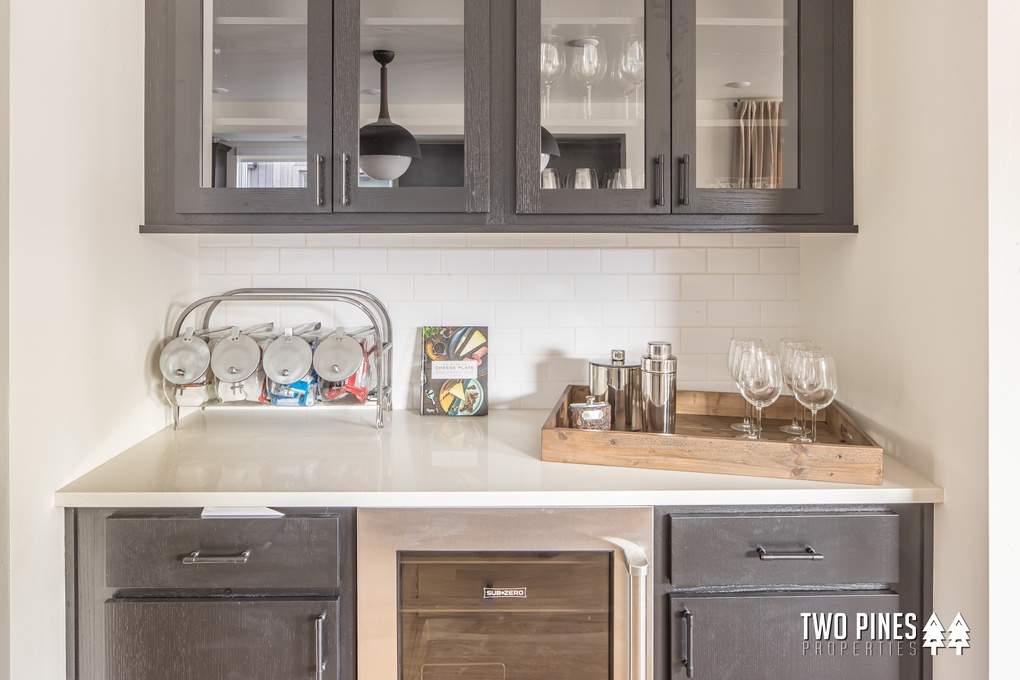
488	593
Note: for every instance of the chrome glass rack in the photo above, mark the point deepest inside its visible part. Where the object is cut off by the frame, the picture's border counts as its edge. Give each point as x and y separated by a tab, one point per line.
371	306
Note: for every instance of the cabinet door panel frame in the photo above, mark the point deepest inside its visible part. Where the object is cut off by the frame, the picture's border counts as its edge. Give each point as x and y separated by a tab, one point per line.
533	199
473	197
189	196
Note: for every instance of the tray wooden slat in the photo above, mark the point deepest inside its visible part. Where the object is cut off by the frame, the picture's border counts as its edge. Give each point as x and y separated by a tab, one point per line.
704	442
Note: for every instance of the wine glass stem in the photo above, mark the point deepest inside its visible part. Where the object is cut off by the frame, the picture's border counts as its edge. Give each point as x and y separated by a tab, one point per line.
814	426
545	102
587	104
747	416
758	425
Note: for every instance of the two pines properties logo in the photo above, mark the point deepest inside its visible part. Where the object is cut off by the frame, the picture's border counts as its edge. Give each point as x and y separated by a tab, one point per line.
879	634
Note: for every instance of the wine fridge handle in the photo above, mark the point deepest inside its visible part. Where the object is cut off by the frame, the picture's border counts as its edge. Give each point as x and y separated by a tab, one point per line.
637	565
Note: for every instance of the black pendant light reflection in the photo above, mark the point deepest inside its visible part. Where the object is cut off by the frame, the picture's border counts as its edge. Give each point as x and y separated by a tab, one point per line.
550	147
386	148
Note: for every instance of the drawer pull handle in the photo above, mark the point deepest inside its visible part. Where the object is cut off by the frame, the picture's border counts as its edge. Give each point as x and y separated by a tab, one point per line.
687	659
197	558
320	646
807	554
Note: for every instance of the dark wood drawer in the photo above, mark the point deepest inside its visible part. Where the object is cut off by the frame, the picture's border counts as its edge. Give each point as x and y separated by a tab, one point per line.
726	550
284	552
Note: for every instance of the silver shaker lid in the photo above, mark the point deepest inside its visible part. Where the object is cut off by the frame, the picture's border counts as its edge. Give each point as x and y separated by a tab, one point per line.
618	358
659	359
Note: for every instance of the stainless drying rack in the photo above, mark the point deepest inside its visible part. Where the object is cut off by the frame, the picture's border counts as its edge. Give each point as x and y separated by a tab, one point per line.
368	304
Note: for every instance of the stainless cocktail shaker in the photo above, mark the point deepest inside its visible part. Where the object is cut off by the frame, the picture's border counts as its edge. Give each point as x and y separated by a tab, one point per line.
619	384
658	388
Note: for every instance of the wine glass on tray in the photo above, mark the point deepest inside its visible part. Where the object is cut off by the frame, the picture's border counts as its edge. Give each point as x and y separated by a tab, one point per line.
814	384
737	347
760	379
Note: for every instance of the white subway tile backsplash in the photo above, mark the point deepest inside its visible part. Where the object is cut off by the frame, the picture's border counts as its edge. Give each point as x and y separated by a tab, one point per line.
734	313
760	287
780	313
602	287
706	287
673	313
574	314
681	261
627	314
627	261
466	261
520	261
575	261
733	260
253	260
780	260
360	261
494	287
552	301
547	287
306	260
278	240
440	287
413	261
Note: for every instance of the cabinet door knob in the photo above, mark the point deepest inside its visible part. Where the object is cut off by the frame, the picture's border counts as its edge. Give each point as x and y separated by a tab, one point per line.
807	554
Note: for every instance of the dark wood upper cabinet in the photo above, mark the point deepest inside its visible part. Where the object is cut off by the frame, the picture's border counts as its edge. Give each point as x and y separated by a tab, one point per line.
533	115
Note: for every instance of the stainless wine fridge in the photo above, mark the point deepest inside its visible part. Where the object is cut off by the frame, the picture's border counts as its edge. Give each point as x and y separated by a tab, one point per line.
504	594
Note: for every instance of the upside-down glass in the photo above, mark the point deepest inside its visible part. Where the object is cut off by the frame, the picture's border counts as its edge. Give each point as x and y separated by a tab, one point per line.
814	384
760	379
737	345
787	346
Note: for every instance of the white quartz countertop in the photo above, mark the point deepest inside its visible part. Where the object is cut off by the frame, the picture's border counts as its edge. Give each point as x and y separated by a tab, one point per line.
335	457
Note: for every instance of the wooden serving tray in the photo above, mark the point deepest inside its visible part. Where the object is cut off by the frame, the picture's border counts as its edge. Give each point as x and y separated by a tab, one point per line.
705	442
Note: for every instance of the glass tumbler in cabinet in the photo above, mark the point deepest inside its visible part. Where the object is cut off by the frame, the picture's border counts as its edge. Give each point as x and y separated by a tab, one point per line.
593	101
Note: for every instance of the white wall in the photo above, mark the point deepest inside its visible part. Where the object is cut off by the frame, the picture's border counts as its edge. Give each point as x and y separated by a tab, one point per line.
1004	327
5	140
903	305
89	296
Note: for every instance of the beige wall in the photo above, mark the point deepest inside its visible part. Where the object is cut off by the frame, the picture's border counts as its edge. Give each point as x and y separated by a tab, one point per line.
903	305
1004	327
89	295
5	139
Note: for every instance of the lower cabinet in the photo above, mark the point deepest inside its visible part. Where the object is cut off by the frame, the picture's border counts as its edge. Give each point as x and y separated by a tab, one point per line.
167	594
212	639
794	593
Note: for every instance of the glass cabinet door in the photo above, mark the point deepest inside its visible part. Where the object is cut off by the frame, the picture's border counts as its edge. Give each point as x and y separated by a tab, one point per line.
593	106
412	130
253	106
751	130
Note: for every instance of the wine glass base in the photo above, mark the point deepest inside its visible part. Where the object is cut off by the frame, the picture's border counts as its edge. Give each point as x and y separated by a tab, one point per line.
792	429
800	440
752	437
741	427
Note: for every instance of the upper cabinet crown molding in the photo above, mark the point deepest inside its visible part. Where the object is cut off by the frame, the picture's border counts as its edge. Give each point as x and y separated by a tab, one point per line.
255	114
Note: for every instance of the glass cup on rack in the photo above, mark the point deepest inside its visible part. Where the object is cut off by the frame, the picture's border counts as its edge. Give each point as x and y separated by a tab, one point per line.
582	178
589	66
621	178
788	347
551	179
737	346
553	62
814	385
760	379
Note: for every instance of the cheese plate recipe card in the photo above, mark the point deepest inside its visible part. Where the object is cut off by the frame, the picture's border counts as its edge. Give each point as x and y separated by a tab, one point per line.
454	370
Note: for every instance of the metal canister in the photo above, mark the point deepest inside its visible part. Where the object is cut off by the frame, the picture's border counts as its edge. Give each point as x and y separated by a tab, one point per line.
658	388
619	384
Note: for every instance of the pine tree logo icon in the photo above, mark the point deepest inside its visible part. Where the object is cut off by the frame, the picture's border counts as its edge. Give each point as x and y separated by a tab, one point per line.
959	634
934	638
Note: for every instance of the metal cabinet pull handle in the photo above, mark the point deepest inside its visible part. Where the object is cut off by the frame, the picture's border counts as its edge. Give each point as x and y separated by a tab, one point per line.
660	182
807	554
685	179
345	179
320	645
688	659
319	161
197	558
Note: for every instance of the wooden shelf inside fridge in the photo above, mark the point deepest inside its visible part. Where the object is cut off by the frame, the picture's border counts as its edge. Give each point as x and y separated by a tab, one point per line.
704	442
